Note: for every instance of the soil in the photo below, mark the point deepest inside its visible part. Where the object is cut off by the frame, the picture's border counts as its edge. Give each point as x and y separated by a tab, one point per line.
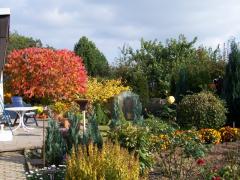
217	157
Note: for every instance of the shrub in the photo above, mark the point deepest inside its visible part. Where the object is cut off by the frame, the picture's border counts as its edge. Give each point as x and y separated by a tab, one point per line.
135	139
93	134
100	91
210	136
111	162
202	110
74	137
101	116
54	145
160	142
229	134
59	107
156	126
43	73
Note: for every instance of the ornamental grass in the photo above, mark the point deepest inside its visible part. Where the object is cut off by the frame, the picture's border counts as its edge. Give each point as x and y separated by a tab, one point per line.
110	162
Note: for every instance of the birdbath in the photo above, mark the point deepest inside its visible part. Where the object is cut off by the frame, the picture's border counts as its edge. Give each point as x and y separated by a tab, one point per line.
83	103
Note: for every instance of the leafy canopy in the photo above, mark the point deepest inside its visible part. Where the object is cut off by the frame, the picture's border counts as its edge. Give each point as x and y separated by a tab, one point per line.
17	41
158	65
45	73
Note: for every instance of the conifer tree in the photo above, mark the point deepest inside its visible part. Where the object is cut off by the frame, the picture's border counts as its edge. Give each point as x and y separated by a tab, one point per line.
54	144
232	80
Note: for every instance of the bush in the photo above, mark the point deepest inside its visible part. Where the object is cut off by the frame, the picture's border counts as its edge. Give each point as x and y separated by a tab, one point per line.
135	139
229	134
100	91
157	127
74	137
111	162
210	136
44	74
101	116
55	146
202	110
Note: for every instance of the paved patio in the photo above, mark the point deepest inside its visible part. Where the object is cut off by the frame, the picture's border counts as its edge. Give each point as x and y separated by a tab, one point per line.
12	166
25	140
12	161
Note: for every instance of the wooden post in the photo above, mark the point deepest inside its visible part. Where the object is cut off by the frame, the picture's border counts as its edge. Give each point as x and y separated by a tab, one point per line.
44	158
84	121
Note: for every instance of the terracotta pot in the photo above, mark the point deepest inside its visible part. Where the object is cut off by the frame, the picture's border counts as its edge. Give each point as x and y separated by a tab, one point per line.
42	116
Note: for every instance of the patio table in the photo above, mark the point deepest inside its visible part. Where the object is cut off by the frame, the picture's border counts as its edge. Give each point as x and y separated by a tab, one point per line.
21	112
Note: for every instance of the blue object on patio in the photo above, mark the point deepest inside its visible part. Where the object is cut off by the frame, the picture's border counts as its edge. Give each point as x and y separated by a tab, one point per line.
17	101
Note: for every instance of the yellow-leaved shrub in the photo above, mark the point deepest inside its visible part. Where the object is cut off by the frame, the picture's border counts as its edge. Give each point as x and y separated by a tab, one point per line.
110	162
102	90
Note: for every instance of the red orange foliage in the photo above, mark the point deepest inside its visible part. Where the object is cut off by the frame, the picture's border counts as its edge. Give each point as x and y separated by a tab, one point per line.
42	72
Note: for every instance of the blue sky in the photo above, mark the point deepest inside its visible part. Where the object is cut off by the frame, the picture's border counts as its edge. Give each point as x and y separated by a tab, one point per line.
113	23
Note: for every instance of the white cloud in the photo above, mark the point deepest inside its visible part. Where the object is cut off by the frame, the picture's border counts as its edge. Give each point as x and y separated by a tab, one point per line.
110	24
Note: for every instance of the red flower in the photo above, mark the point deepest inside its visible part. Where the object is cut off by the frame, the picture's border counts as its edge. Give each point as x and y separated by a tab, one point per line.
200	162
216	178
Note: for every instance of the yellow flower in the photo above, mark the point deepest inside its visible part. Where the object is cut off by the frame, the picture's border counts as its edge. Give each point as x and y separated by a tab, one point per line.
39	109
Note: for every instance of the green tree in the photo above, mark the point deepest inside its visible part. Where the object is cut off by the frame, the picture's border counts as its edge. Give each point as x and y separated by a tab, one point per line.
232	80
17	41
94	60
160	65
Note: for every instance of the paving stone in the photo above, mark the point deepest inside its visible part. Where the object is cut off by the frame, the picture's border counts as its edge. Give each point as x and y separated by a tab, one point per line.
12	166
25	140
12	163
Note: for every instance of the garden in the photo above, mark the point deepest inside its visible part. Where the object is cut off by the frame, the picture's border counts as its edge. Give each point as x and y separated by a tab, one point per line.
163	111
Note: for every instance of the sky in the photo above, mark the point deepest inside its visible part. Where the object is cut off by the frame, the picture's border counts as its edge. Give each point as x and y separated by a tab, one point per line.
112	23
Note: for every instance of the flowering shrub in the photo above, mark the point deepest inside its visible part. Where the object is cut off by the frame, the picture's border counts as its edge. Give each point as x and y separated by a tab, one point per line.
111	162
210	136
60	107
45	73
102	91
229	134
160	142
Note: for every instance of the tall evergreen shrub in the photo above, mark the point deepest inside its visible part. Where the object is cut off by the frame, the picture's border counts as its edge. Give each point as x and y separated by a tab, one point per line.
232	81
55	148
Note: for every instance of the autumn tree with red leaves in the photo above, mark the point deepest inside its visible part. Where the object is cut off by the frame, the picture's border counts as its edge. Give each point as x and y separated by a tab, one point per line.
45	73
